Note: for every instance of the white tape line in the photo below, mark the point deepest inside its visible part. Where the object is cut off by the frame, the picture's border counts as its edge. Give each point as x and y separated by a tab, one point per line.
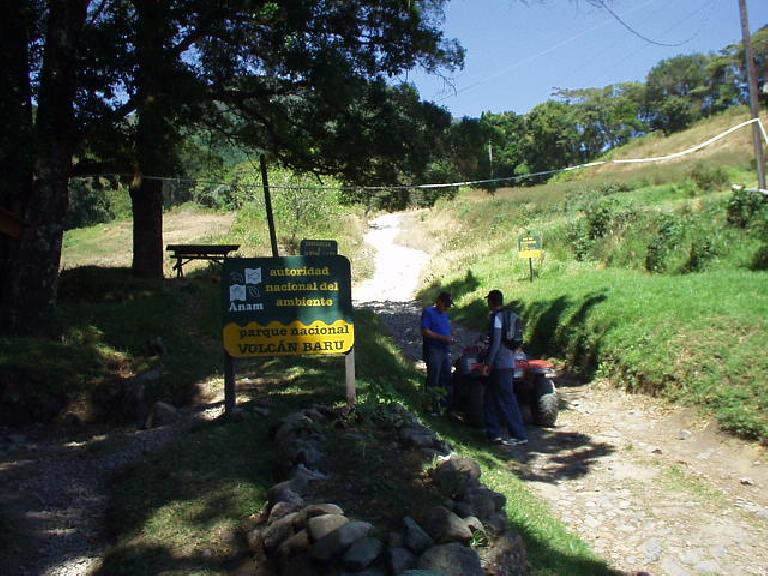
762	129
689	150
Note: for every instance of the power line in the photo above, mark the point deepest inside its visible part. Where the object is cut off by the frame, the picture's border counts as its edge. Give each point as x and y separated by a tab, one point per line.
638	34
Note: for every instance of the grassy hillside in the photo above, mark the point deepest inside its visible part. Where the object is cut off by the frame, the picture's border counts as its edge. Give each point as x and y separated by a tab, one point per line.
654	276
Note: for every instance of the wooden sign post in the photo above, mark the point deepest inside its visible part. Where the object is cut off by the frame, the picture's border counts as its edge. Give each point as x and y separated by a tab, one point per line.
530	246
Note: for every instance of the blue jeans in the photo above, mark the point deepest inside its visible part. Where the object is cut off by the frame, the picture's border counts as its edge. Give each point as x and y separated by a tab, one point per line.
438	370
500	406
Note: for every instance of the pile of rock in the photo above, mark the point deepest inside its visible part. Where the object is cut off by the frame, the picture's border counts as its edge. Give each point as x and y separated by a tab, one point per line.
465	537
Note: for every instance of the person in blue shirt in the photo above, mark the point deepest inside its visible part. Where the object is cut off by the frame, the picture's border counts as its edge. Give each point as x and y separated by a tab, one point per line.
500	406
437	337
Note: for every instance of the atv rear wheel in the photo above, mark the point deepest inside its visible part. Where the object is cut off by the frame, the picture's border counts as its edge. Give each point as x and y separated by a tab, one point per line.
545	405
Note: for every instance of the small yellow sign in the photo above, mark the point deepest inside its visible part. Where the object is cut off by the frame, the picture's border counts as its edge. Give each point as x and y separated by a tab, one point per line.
530	246
292	339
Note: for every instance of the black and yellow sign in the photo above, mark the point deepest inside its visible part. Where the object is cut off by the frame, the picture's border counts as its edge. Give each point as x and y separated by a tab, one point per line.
290	306
530	245
318	247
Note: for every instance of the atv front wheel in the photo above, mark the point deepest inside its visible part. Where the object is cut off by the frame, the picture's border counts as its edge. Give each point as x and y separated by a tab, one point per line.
545	405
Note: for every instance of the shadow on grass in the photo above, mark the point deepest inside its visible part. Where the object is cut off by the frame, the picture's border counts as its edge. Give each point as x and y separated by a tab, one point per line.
551	335
457	288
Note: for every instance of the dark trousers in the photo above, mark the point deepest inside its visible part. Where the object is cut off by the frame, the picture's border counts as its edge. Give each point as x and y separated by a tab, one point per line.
438	370
500	406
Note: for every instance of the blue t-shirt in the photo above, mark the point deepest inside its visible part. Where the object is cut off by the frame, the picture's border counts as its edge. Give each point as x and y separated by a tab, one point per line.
438	322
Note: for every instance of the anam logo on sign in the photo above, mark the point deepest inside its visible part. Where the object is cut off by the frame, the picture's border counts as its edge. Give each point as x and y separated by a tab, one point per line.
289	306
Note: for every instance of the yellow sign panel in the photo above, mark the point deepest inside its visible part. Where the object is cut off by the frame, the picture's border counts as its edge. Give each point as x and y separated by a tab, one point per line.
295	338
530	246
532	253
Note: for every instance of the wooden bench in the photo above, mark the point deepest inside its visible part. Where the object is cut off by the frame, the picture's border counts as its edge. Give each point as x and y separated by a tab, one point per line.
184	253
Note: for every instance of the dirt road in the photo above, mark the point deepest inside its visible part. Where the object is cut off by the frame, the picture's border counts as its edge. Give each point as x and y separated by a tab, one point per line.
652	487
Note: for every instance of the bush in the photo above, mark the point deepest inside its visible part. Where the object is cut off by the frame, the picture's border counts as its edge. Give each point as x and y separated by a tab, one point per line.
668	236
760	260
709	178
702	251
744	207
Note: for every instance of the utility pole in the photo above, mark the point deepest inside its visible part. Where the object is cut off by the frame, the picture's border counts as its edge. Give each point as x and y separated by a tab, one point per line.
752	81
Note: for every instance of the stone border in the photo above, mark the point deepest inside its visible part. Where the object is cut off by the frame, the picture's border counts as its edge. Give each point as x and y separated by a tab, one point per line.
467	536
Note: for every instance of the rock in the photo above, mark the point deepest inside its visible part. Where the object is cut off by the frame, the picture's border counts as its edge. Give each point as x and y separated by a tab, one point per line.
162	414
506	556
684	435
497	522
401	559
362	553
302	451
463	509
415	537
295	545
336	542
321	526
652	550
299	566
747	481
281	509
455	475
708	567
445	526
282	493
452	559
255	540
275	533
474	524
484	501
313	510
294	424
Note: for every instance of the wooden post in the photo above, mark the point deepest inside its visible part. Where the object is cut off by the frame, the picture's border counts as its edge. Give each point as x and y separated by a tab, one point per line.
752	82
230	393
349	374
268	206
530	267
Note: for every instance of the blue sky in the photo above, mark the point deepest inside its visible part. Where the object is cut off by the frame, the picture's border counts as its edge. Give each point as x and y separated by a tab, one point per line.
517	52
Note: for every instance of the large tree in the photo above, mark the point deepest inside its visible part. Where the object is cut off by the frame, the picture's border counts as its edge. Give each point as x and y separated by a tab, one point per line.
36	155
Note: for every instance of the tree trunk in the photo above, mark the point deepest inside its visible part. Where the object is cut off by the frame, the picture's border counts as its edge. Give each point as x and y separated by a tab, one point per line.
147	204
29	295
154	136
16	137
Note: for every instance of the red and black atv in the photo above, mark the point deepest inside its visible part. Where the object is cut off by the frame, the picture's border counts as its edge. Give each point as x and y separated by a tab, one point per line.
533	384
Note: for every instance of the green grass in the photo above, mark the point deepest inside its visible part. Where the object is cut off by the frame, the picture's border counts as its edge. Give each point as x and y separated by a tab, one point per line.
175	512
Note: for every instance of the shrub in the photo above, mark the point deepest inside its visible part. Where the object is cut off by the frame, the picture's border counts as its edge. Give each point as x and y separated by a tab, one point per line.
760	260
702	250
744	207
668	236
709	178
579	240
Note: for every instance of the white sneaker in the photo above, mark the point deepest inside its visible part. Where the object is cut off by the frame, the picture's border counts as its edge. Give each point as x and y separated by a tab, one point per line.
514	442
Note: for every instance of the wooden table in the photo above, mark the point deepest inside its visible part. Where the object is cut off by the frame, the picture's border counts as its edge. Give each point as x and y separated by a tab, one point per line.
184	253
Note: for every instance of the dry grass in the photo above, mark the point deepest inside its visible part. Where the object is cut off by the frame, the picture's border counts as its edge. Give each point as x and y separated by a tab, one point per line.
111	245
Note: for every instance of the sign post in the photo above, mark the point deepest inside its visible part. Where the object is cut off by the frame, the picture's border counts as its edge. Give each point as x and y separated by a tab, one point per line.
530	246
287	306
